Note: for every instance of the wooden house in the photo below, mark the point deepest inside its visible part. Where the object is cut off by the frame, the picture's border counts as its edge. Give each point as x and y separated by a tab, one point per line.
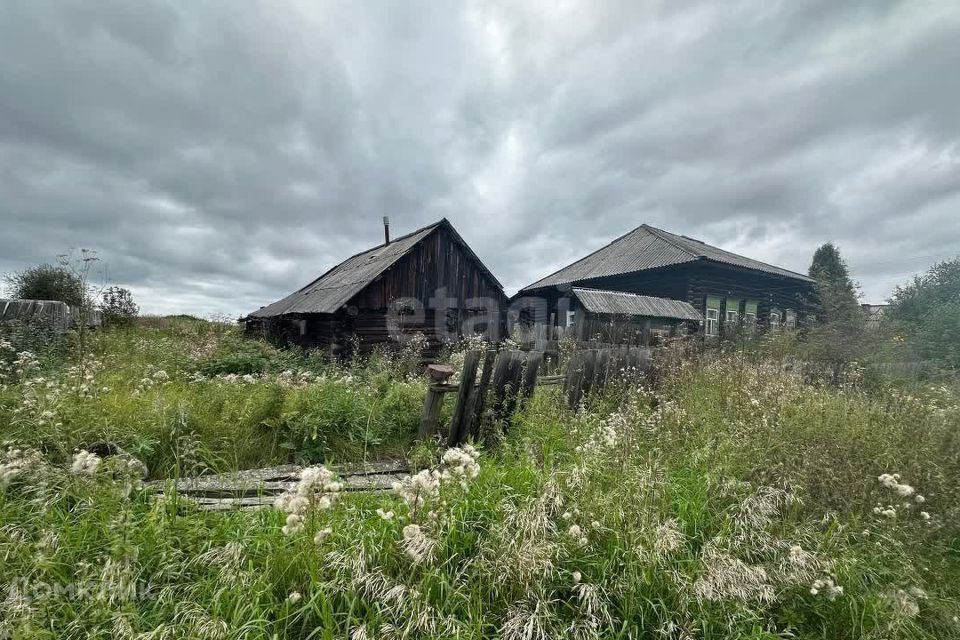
428	281
729	291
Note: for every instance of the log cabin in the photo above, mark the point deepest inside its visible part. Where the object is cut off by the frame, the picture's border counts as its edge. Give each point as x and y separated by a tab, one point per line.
428	281
729	292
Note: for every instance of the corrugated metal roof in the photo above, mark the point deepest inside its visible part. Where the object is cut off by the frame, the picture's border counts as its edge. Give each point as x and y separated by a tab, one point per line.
337	286
631	304
645	248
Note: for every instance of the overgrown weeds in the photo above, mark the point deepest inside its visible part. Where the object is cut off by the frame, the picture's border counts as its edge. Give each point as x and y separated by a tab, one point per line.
735	498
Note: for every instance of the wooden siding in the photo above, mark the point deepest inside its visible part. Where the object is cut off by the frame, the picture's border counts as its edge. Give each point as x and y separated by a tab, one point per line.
438	264
694	282
438	261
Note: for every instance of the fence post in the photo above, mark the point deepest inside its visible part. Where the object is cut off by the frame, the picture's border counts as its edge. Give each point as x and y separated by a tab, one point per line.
431	413
480	395
530	373
461	412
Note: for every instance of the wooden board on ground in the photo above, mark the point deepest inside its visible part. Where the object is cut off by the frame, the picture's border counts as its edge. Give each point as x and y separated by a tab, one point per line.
258	488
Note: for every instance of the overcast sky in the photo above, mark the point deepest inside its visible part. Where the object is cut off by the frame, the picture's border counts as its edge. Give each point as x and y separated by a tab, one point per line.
220	155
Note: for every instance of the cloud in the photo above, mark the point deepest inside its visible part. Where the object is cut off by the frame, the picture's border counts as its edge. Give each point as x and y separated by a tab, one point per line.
219	157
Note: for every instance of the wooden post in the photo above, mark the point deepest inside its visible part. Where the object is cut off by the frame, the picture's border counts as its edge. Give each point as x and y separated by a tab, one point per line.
434	400
530	373
480	394
431	412
589	371
574	379
512	389
461	412
500	372
602	372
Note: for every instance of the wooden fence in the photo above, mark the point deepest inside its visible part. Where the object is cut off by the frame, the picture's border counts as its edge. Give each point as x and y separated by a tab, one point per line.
54	315
493	385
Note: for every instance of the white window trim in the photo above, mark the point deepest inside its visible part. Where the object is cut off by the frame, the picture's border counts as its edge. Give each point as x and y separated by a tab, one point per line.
774	319
790	319
732	317
712	321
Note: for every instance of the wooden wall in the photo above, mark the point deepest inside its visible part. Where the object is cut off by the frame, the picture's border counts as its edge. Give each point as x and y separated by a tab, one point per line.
439	261
693	282
438	265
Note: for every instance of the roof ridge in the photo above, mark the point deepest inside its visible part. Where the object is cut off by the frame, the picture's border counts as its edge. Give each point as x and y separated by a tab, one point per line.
598	250
619	293
727	251
360	253
671	240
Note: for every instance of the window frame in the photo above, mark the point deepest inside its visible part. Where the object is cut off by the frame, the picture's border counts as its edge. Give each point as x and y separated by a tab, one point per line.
774	313
712	321
790	319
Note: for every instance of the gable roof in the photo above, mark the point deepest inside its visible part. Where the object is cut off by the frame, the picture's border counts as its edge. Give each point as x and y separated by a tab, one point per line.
337	286
647	247
632	304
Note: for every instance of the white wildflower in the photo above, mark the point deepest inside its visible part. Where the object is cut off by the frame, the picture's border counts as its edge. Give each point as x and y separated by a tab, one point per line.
85	463
386	515
577	577
294	524
294	597
827	587
322	535
316	489
418	488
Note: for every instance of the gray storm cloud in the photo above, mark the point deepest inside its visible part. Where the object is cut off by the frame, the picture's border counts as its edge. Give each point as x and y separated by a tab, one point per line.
221	155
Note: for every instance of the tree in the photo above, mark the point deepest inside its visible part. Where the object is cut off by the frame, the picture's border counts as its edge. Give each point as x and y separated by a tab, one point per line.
118	307
48	282
838	293
927	313
839	336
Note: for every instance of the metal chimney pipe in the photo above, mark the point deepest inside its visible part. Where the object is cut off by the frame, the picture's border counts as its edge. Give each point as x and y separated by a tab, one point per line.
386	230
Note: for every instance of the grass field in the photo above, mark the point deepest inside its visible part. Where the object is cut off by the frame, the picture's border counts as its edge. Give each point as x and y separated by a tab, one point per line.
731	500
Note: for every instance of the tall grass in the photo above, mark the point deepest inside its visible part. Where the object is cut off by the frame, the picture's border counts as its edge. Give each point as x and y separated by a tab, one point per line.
732	500
188	396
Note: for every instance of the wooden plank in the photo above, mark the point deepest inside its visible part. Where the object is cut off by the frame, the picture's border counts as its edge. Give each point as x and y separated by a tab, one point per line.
589	371
602	368
500	372
512	391
459	425
430	418
530	373
278	475
574	379
480	393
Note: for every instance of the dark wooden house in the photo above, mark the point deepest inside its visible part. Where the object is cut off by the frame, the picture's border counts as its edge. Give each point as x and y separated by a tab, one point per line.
428	281
728	290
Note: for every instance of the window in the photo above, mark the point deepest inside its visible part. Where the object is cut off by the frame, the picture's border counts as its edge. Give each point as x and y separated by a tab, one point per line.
713	316
732	317
790	321
774	320
750	321
571	316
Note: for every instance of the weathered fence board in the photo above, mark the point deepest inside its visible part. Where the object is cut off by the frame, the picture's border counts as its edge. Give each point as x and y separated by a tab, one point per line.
460	424
508	378
258	488
480	393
